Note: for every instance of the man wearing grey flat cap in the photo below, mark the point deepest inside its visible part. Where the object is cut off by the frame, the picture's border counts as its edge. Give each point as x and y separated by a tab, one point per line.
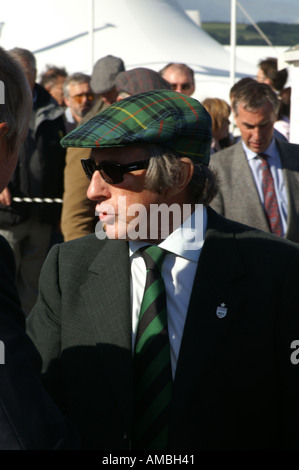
170	328
104	75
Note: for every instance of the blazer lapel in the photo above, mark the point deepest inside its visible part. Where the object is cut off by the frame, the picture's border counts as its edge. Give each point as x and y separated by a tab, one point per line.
215	284
246	200
108	308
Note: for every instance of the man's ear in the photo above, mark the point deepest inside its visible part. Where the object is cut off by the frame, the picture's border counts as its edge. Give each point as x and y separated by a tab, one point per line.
66	101
3	129
187	170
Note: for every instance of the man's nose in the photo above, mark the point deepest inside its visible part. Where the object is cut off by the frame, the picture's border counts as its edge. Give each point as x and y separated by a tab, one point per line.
98	188
179	88
257	132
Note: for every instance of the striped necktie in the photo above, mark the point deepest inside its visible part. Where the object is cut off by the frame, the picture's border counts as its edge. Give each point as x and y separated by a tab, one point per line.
270	199
152	366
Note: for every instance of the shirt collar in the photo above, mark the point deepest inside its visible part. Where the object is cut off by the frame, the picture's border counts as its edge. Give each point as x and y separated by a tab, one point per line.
68	115
270	150
187	240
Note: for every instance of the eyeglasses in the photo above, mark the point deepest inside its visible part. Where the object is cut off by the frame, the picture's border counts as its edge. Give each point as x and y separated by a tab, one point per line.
185	86
111	172
79	98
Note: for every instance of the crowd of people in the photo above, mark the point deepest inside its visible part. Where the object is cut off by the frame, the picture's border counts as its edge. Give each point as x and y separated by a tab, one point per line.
149	260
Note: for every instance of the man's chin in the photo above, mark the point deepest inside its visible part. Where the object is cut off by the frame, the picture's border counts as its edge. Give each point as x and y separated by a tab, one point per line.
114	232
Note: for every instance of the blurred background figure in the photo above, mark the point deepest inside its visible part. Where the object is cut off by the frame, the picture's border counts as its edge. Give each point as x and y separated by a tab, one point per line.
104	74
27	219
78	213
29	418
139	80
268	73
52	80
180	76
219	111
78	97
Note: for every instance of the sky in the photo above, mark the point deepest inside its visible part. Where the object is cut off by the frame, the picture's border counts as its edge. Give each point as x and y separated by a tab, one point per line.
281	11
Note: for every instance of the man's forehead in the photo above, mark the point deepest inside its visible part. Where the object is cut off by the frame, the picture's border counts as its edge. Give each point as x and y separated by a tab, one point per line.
119	152
266	109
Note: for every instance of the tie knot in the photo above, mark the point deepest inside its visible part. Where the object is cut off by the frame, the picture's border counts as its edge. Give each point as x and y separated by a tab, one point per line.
264	160
263	156
153	257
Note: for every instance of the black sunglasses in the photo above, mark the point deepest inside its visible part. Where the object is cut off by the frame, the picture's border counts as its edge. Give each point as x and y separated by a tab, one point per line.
111	172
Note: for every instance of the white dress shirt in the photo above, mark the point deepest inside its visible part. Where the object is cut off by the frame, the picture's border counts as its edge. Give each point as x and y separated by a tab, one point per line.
276	170
178	270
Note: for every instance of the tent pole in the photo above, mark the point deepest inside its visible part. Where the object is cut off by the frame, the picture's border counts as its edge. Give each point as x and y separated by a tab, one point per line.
233	23
91	33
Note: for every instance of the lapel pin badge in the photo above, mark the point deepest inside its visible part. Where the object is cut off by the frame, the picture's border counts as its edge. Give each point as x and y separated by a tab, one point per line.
221	311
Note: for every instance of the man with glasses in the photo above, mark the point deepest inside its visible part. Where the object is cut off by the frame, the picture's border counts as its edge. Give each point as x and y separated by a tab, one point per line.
190	351
78	97
180	76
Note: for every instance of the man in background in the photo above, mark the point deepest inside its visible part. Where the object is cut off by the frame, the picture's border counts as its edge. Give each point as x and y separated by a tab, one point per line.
180	76
29	420
52	80
29	213
259	174
78	97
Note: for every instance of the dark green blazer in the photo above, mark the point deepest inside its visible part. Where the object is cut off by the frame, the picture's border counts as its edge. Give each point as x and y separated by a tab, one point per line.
235	385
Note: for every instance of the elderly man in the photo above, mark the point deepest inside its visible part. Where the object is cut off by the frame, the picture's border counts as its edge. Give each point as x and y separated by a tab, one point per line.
259	174
173	327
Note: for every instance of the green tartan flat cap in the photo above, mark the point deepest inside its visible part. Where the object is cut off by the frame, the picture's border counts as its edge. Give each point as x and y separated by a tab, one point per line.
163	117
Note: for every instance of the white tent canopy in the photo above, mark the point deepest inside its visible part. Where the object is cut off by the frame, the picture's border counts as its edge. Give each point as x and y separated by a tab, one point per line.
144	33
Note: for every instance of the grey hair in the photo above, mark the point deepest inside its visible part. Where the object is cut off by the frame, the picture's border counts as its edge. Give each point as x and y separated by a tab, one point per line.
75	78
178	66
254	95
17	106
164	171
26	59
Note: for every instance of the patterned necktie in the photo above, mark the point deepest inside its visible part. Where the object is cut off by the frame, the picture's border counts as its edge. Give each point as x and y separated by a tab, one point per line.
152	366
270	200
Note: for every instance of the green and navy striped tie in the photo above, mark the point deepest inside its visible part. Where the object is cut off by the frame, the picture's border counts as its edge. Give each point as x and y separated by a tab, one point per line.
152	366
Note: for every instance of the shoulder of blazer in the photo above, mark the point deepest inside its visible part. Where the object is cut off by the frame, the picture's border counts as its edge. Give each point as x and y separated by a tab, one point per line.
80	254
249	240
289	154
226	156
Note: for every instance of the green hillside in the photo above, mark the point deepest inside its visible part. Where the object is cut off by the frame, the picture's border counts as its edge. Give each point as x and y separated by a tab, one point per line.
280	34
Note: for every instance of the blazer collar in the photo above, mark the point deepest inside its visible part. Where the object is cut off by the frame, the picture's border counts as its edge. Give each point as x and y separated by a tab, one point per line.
107	290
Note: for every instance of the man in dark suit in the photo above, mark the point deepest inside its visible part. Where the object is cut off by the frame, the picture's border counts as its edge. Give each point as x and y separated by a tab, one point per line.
29	419
231	292
241	196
